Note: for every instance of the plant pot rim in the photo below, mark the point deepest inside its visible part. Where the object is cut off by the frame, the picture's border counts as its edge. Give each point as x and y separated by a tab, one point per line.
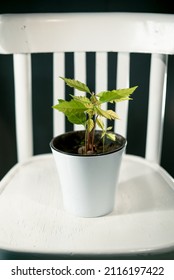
122	143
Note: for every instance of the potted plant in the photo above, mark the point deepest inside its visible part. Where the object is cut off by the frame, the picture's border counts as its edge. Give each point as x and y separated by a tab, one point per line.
88	161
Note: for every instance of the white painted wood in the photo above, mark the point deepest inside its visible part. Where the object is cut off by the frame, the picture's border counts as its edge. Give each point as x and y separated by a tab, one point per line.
101	71
79	68
123	73
142	220
131	32
80	75
23	105
58	92
157	96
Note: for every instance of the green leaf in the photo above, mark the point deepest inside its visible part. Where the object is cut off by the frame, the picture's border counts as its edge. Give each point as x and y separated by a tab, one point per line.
109	128
72	105
60	100
113	115
103	134
111	136
90	112
90	125
116	95
74	110
108	114
76	84
94	100
84	100
77	118
100	123
102	113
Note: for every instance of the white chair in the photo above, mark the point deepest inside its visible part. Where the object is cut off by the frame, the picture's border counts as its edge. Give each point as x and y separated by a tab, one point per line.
31	215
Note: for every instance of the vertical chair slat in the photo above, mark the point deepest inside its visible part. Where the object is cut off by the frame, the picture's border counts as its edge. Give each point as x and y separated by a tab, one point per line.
79	67
101	74
58	92
79	74
23	105
157	96
123	70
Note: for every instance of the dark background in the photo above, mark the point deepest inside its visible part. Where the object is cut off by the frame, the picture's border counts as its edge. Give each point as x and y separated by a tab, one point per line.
31	6
42	86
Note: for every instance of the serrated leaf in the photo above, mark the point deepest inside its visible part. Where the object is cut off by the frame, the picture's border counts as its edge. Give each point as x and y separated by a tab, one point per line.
64	106
90	125
112	114
90	112
100	123
116	95
74	110
111	136
103	113
77	118
76	84
108	114
84	100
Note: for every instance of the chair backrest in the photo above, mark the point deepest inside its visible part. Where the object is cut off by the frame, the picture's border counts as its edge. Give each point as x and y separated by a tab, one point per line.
82	33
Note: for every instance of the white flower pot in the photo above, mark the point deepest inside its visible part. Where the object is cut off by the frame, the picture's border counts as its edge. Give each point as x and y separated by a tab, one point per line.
88	182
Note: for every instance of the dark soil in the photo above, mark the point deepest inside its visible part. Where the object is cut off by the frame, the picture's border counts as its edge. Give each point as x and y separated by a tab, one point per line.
73	143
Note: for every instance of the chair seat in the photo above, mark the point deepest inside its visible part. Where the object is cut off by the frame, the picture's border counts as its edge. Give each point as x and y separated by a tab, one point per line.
33	220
